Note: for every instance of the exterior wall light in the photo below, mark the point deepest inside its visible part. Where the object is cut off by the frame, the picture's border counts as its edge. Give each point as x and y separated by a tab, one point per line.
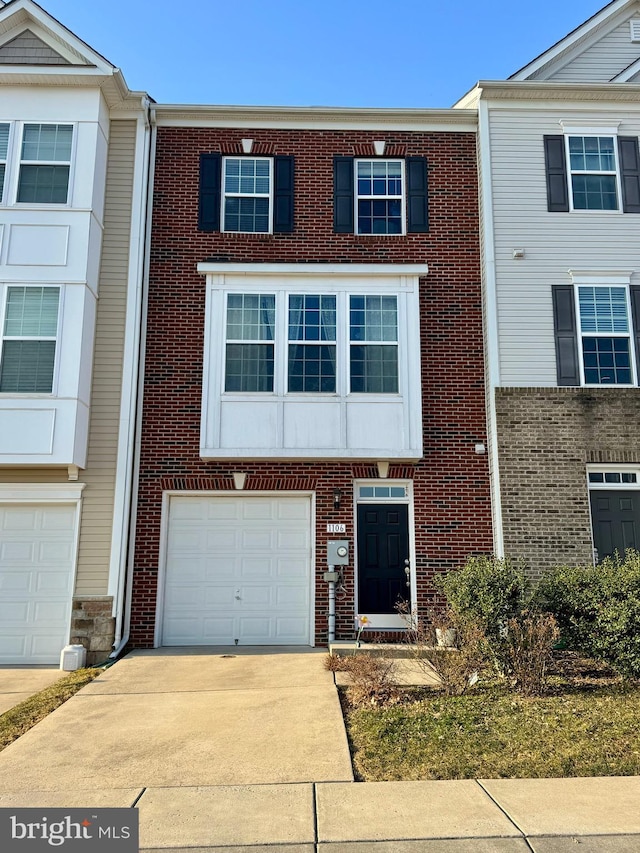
337	498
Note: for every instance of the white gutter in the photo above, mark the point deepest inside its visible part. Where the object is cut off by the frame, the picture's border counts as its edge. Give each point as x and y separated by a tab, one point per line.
491	330
122	638
125	472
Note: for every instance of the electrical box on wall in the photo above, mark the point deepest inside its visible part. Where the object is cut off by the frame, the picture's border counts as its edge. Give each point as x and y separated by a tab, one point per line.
338	552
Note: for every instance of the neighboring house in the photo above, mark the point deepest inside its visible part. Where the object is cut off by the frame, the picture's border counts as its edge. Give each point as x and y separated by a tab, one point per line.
560	202
73	175
313	371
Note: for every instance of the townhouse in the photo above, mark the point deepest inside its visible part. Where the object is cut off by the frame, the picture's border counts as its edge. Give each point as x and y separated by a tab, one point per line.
560	205
313	372
74	145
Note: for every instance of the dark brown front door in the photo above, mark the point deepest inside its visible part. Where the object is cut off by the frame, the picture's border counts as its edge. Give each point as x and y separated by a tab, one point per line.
383	548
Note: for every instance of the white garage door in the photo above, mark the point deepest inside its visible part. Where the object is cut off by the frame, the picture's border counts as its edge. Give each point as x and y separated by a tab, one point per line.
37	545
238	568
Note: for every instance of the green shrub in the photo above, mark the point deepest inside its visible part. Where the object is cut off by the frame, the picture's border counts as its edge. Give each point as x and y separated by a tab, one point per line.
488	590
598	609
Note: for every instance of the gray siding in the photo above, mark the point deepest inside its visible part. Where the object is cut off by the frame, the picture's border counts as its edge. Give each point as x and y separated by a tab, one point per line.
28	49
599	63
98	496
553	242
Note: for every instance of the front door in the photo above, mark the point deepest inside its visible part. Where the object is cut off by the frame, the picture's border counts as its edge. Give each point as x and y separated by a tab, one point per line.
615	517
383	554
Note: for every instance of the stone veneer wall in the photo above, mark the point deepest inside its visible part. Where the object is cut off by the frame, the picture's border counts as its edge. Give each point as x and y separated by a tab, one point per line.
93	626
546	438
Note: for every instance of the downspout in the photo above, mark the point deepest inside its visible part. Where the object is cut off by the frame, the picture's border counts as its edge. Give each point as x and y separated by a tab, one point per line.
125	590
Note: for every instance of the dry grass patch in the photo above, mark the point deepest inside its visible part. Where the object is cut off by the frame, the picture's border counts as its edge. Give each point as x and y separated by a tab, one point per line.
18	720
587	725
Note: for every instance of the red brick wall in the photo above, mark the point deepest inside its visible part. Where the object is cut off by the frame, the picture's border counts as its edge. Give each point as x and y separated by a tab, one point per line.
451	484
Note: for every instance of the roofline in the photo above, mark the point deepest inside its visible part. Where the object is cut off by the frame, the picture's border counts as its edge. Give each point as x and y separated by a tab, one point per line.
555	49
540	90
235	115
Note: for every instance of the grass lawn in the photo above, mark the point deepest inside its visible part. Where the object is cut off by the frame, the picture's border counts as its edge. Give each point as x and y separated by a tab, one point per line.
18	720
588	725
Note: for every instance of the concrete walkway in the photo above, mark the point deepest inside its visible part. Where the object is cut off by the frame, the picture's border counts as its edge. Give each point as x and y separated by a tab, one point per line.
244	750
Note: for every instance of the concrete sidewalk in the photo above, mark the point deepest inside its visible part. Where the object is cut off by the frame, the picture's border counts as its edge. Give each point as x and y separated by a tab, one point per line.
244	750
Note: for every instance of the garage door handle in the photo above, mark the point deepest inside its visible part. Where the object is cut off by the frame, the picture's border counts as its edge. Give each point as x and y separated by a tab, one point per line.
238	595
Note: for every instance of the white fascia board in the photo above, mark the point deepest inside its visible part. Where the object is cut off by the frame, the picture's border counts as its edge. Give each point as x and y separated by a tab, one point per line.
611	10
316	118
345	270
515	94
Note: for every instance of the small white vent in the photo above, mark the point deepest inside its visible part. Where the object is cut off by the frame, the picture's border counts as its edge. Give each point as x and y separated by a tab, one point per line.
634	24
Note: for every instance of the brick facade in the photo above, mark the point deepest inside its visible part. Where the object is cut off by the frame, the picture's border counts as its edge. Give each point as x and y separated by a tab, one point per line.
451	484
546	438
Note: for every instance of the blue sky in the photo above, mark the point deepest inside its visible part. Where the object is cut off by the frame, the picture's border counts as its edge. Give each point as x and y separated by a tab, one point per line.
410	53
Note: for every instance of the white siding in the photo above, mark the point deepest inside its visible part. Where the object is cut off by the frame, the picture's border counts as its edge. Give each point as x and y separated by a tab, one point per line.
603	60
553	242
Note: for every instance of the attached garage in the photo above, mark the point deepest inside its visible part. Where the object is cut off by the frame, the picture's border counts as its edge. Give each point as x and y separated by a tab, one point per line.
238	571
37	569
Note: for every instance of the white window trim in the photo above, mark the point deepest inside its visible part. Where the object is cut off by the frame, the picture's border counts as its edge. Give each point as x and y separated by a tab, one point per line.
617	469
403	198
4	291
610	130
18	162
224	195
6	161
588	278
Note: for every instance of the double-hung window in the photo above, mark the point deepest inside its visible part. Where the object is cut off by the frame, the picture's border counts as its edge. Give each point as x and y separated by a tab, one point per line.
4	148
605	334
591	169
29	340
373	327
380	196
593	172
45	163
596	329
312	344
250	342
247	195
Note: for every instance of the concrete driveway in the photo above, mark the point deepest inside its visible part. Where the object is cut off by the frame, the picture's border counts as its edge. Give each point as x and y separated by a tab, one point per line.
189	717
18	683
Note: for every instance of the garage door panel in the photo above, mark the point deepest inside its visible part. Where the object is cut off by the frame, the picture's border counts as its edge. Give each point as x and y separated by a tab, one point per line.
257	583
37	562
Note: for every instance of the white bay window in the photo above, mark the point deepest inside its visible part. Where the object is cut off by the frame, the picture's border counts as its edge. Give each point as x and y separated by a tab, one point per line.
312	360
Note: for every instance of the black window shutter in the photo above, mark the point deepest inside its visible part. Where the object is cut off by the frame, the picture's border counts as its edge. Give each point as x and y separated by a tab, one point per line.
417	196
343	195
209	202
556	168
283	195
629	173
564	326
634	293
